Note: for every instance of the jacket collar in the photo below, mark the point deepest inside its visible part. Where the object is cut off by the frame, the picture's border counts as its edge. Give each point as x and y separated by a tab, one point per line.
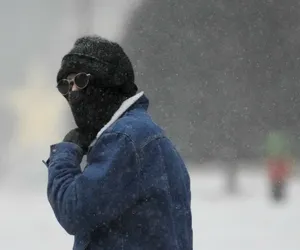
136	101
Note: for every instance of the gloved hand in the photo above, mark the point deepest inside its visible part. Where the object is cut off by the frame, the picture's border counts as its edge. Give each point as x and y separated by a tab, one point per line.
82	138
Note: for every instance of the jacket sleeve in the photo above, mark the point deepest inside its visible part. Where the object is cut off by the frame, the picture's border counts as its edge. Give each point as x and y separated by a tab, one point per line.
103	191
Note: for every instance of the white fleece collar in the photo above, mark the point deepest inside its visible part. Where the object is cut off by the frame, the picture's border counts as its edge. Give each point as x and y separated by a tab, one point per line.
123	108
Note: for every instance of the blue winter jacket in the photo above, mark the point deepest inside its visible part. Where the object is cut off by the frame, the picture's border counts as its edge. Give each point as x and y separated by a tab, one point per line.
134	193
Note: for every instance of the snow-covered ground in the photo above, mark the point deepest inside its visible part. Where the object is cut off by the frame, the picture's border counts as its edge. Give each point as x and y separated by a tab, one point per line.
247	221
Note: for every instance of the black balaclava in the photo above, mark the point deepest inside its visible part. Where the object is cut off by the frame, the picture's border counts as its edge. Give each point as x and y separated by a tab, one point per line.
111	83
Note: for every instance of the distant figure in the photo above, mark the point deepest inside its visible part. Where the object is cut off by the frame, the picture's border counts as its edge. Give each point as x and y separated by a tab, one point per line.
228	156
278	169
279	164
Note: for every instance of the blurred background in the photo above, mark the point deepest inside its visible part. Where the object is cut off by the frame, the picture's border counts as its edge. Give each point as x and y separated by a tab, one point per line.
223	81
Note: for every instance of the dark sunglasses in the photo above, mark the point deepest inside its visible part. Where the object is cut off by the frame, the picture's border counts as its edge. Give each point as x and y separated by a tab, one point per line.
81	80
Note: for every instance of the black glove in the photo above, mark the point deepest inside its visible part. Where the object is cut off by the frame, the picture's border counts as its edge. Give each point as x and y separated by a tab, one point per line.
82	138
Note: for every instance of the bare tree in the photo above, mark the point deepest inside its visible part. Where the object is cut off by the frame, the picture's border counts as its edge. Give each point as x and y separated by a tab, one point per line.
84	16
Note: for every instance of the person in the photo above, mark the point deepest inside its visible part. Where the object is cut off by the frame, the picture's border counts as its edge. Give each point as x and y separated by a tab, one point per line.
279	163
134	190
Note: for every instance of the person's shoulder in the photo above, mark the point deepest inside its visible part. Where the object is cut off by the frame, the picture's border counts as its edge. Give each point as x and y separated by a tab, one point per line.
138	126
